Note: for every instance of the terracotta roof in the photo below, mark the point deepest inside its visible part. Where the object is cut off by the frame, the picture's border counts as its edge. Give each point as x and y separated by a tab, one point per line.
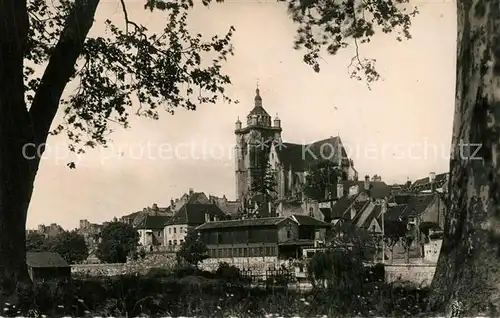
242	223
424	184
378	189
340	207
298	157
194	214
394	212
377	210
154	222
309	221
45	260
418	204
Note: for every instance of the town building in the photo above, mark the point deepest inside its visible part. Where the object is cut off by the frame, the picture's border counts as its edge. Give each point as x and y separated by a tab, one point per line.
151	230
262	238
138	217
259	145
194	212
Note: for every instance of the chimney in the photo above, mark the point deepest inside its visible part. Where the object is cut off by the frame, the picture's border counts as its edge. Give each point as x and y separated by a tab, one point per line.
367	183
340	190
154	207
408	182
172	203
191	191
432	181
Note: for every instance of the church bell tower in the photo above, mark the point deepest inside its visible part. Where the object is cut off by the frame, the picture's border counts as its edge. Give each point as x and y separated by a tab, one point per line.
253	143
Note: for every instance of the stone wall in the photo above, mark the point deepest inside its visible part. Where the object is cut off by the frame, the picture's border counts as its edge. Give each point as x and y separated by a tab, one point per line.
432	250
258	265
419	274
141	266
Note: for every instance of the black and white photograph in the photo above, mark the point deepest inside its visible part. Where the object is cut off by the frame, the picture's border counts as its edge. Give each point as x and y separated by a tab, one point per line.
249	158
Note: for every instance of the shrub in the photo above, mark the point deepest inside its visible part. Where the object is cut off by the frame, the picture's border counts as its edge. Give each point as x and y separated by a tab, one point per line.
228	272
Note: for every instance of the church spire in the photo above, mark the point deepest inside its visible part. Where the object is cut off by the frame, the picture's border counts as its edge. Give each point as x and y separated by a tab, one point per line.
258	99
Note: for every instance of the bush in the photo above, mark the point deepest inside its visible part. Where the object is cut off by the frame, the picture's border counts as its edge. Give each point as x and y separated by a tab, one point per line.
228	272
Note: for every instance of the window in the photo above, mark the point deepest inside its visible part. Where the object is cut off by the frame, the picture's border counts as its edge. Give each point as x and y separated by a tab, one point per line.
245	252
289	234
175	230
261	251
220	253
250	252
240	252
169	230
170	242
311	212
175	242
230	252
181	241
268	251
255	251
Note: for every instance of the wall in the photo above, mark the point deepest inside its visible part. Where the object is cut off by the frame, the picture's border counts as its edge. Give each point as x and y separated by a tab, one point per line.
435	212
179	235
284	227
152	260
432	250
258	265
419	274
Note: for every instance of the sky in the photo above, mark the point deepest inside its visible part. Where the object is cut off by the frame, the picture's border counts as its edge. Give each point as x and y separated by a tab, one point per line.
399	129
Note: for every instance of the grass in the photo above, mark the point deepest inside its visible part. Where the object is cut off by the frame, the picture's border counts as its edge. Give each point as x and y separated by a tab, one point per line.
189	293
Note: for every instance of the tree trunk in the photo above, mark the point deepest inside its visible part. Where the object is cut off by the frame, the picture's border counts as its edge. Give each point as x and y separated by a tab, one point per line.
468	269
16	170
23	134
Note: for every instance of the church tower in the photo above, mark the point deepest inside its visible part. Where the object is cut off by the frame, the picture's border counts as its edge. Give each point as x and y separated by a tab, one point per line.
252	148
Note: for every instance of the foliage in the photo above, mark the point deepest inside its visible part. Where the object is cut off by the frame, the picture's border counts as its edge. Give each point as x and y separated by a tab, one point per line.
263	191
338	270
394	231
142	253
322	178
228	273
159	71
348	236
118	240
71	246
426	227
192	250
36	242
332	25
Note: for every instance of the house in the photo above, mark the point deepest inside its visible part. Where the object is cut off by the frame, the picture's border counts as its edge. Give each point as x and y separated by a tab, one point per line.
189	216
433	183
353	197
44	266
151	230
413	210
136	218
259	144
271	238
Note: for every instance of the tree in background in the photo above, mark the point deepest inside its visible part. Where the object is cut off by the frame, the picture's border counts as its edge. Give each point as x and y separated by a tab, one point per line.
71	246
264	192
321	179
118	241
469	261
193	250
36	242
394	231
44	46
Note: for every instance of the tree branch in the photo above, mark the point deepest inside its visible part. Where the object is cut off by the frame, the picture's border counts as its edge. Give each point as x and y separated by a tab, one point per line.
60	68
